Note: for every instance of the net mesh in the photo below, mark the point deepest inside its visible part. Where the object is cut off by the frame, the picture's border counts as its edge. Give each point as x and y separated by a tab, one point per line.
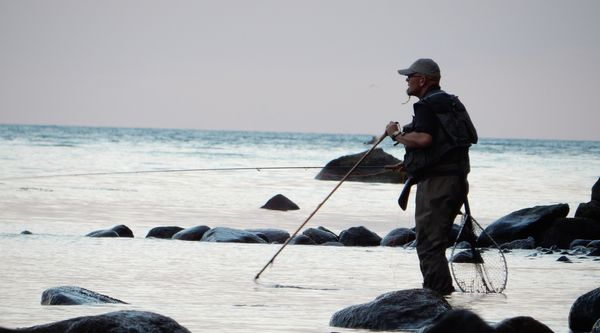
477	269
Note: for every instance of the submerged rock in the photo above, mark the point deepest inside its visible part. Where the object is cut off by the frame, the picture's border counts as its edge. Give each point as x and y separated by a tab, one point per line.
370	170
71	295
230	235
359	236
399	310
191	234
458	321
120	230
398	237
523	324
126	321
320	235
280	202
163	232
273	235
585	311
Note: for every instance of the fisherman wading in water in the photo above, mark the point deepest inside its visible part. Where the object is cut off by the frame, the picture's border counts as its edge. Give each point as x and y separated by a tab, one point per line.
437	145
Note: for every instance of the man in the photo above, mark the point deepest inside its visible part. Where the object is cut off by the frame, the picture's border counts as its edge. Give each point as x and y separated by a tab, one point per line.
437	159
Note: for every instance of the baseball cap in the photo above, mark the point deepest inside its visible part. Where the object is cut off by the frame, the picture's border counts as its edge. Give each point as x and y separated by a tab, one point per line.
423	66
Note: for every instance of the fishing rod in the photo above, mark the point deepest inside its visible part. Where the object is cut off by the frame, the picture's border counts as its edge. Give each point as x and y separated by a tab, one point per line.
187	170
321	204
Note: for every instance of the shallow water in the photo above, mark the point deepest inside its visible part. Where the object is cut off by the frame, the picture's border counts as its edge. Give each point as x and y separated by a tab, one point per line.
210	286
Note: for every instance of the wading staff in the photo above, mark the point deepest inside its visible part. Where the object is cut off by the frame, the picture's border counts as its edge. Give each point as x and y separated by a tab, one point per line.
321	204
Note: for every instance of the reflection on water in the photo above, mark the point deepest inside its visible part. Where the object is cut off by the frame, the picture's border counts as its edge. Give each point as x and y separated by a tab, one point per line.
210	286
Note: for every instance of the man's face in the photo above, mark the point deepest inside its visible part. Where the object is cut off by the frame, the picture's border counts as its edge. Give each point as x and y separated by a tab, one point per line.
415	82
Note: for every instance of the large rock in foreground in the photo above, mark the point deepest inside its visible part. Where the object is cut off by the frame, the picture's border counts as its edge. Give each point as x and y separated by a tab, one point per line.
523	223
71	295
370	170
398	310
126	321
585	311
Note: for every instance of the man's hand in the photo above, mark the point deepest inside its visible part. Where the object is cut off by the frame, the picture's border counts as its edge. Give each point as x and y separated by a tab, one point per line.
391	128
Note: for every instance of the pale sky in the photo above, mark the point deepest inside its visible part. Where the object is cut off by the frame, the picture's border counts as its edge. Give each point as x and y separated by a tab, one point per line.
524	69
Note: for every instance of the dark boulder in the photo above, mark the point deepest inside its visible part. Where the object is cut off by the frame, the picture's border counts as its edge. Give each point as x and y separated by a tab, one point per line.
467	256
585	311
230	235
163	232
562	231
564	259
458	321
302	240
370	170
595	244
398	237
191	234
589	210
596	328
399	310
594	253
26	232
71	295
522	244
126	321
359	236
103	234
522	324
273	235
280	202
579	242
320	235
120	230
522	224
596	191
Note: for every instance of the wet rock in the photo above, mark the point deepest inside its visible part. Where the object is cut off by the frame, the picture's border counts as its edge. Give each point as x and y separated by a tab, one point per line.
596	328
127	321
585	311
458	321
163	232
523	223
562	231
564	259
589	210
191	234
370	170
399	310
71	295
103	234
320	235
522	244
280	202
302	240
467	256
120	230
229	235
594	253
26	232
273	235
579	242
398	237
594	244
359	236
522	324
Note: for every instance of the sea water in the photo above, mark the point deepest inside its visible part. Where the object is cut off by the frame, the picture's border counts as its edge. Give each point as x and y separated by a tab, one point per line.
61	183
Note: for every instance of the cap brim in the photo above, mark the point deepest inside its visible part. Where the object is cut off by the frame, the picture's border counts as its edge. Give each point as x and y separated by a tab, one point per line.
407	71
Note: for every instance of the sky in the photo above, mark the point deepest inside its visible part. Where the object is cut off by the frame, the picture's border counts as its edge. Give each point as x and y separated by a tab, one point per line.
523	69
